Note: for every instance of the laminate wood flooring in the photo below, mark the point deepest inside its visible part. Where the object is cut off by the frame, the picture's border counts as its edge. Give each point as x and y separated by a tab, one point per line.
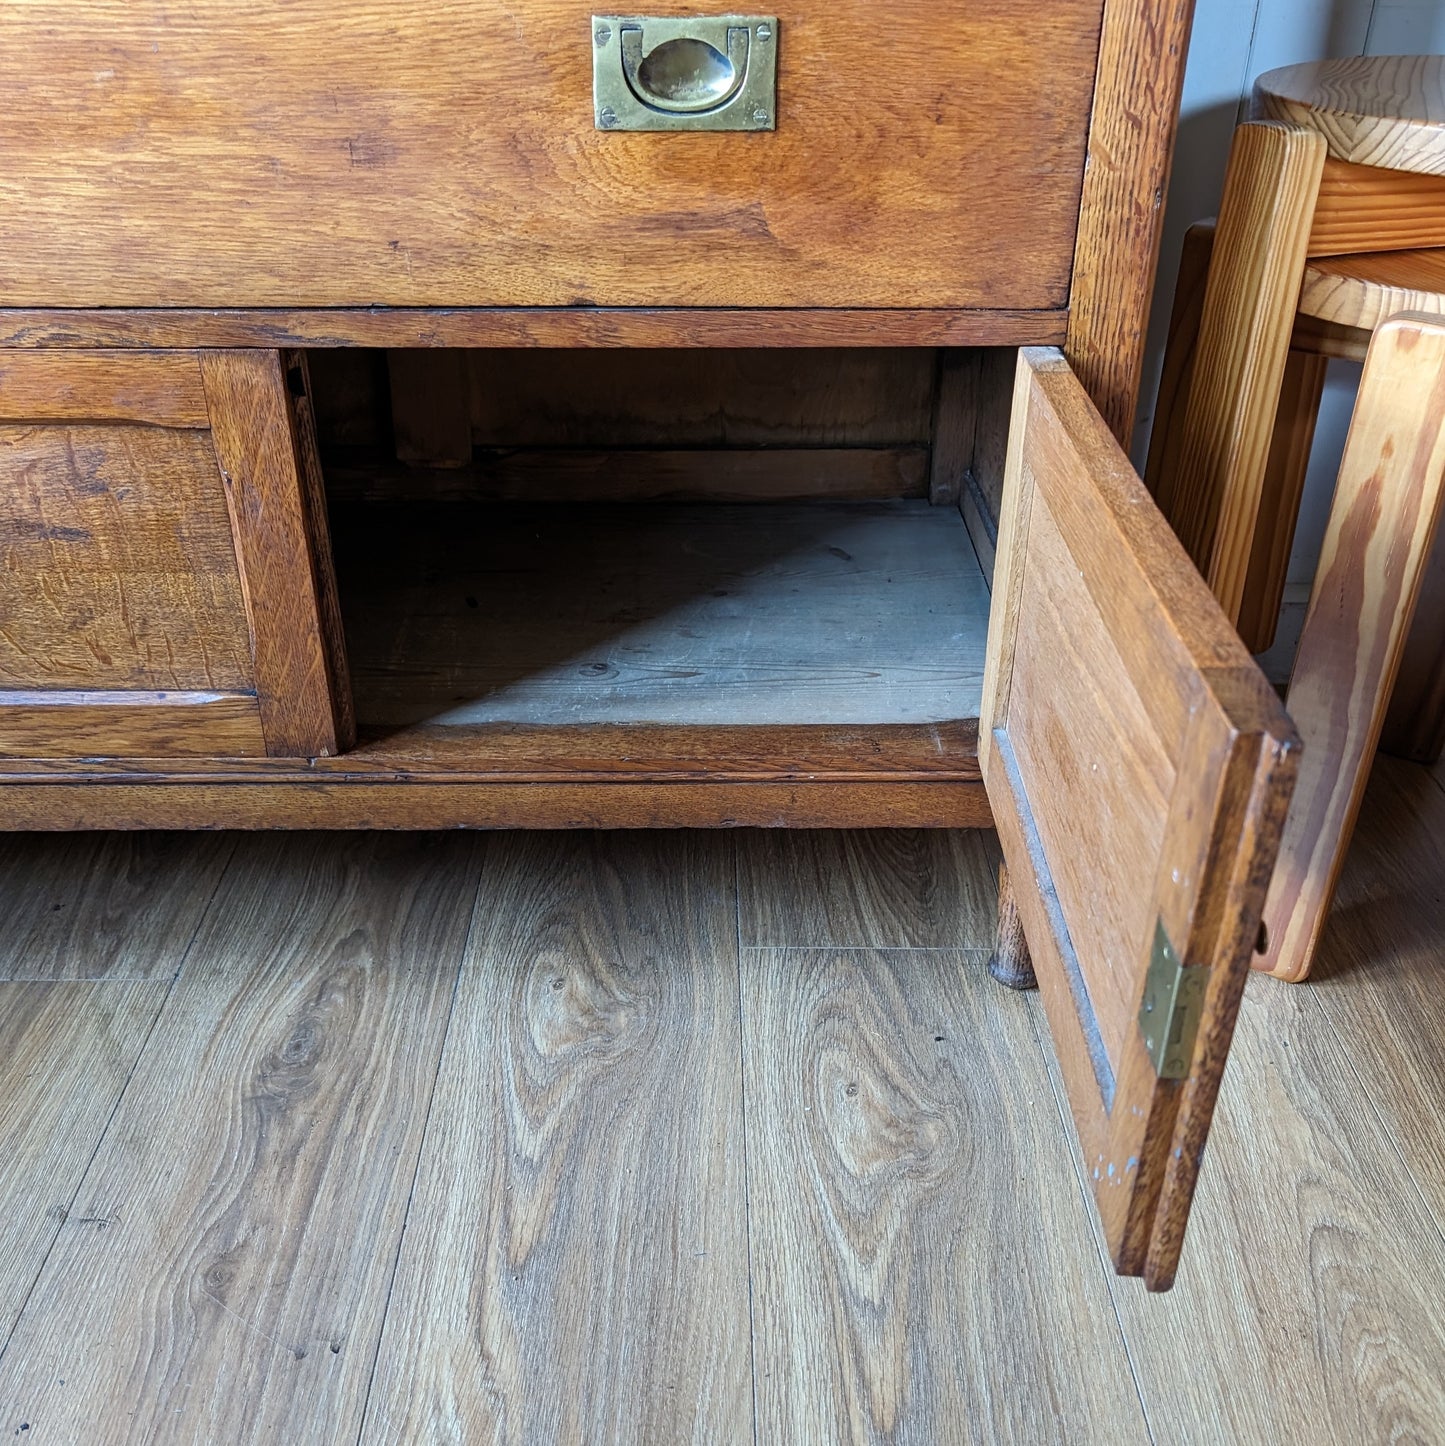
719	1138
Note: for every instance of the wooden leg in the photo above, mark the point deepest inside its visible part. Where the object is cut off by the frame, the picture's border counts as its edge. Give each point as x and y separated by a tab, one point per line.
1381	527
1415	724
1279	498
1166	435
1212	493
1011	963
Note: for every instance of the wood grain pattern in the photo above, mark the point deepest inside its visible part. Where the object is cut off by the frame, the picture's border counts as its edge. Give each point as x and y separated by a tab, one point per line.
116	562
1375	110
254	431
159	388
202	1288
35	724
955	416
886	889
551	327
1211	497
886	183
95	906
1377	980
1414	726
983	490
1381	528
66	1051
1103	783
915	1241
771	474
1364	291
829	612
1363	208
586	1277
773	397
431	406
315	508
1010	962
514	753
1171	401
1129	643
415	805
1121	211
1330	1332
1280	496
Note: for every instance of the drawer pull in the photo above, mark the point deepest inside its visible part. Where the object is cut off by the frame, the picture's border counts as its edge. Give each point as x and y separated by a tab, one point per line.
686	75
706	73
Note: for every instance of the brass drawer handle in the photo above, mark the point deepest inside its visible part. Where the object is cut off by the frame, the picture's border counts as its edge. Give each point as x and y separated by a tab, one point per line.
705	73
687	75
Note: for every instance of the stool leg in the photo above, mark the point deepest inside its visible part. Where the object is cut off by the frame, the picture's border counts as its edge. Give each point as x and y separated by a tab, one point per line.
1011	963
1212	497
1279	498
1166	435
1415	724
1381	527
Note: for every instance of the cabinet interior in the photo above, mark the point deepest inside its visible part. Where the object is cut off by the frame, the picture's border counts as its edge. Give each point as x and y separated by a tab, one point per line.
676	547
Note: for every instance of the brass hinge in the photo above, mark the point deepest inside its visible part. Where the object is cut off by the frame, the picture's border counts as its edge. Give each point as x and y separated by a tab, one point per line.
1172	1008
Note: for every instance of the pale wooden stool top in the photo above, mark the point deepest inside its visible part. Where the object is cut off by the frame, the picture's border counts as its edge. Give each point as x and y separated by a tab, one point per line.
1361	291
1373	110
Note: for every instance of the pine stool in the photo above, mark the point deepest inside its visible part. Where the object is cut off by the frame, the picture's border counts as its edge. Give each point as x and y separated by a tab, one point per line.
1334	205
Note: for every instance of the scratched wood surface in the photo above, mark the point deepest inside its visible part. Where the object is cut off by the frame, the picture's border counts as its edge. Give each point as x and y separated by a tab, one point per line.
919	1253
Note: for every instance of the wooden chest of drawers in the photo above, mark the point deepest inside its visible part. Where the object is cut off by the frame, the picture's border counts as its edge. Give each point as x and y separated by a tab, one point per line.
388	440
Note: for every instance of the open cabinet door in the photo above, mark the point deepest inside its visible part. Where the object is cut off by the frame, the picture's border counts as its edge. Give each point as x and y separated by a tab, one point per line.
1139	768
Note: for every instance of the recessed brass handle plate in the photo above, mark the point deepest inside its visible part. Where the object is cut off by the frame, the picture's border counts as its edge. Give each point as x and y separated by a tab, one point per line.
708	73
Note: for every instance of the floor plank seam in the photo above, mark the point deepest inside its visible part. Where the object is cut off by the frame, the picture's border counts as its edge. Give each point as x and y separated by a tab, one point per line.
743	1099
170	985
420	1153
1368	1095
1106	1266
99	1139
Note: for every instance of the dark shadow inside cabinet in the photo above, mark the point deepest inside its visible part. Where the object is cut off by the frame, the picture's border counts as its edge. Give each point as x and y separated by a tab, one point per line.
666	553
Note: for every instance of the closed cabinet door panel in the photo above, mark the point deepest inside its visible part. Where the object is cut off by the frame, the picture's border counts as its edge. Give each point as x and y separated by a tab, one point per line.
1139	768
162	590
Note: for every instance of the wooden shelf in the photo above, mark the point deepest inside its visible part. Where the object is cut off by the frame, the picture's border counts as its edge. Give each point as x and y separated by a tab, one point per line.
683	616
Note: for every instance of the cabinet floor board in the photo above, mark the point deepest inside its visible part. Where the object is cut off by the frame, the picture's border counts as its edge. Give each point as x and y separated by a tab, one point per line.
701	614
308	1154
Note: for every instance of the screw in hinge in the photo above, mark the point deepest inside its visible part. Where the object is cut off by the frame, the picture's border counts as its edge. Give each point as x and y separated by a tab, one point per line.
765	32
602	35
760	116
607	116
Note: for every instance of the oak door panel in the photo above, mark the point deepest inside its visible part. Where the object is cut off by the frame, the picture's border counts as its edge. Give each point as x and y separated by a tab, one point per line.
162	559
1139	768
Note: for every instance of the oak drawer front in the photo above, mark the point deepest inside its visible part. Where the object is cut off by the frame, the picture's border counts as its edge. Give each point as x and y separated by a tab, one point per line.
157	578
303	153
